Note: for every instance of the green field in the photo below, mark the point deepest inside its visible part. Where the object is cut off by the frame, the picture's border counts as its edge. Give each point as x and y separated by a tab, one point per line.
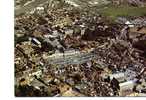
125	11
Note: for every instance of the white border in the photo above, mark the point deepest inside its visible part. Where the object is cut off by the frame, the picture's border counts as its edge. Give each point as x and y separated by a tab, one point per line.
7	57
6	49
